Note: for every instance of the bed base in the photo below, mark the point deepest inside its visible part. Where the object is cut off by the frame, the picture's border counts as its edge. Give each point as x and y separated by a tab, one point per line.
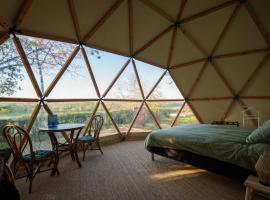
213	165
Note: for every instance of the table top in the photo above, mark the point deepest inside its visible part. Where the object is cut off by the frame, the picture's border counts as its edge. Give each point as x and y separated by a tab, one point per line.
62	127
253	182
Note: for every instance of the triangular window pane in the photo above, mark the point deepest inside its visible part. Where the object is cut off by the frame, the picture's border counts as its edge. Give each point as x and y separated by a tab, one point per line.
46	58
144	121
123	113
126	87
166	89
165	112
107	128
14	80
105	66
186	117
148	74
14	113
75	83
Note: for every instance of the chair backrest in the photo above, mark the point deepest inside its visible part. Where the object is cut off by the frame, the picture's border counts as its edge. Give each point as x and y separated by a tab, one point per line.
19	141
96	125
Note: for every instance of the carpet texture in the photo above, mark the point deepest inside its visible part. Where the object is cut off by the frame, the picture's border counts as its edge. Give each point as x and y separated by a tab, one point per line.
125	171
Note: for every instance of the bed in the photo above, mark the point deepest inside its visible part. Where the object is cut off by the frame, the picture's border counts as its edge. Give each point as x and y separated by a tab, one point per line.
219	148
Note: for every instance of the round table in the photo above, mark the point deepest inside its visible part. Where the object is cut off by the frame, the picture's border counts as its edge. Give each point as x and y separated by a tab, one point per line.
71	142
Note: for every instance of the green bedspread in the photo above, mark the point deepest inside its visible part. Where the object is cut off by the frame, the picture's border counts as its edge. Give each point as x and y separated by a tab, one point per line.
221	142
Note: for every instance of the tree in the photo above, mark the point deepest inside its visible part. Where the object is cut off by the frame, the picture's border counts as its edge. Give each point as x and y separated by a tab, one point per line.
44	56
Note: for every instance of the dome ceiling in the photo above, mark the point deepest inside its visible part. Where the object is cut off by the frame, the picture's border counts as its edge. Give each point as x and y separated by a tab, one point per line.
217	51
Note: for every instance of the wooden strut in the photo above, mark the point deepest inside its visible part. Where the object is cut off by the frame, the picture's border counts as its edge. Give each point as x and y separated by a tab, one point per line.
61	72
88	124
150	42
181	9
189	63
174	32
102	20
208	11
195	83
158	10
70	100
137	77
90	71
153	115
257	22
178	114
226	27
33	117
130	26
228	110
4	37
162	100
254	73
12	99
134	119
74	19
210	98
48	110
241	53
25	6
47	36
27	65
222	77
255	97
158	81
187	102
111	118
116	77
123	100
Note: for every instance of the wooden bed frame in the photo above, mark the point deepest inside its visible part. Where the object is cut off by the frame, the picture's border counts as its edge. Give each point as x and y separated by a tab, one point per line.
216	166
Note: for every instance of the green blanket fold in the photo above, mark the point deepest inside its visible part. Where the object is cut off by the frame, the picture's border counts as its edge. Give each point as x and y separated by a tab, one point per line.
221	142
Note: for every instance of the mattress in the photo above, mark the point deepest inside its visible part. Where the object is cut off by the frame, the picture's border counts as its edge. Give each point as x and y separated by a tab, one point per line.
221	142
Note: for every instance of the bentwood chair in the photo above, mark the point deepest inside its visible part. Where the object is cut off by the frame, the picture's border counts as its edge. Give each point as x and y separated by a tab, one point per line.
25	158
92	136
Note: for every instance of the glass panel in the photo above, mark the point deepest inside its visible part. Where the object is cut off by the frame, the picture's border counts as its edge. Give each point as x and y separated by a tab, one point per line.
46	57
148	74
14	113
105	66
14	81
126	87
123	113
144	121
72	112
186	117
75	83
107	128
165	112
40	140
166	89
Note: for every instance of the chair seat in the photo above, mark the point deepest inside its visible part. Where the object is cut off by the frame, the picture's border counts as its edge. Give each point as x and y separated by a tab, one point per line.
39	154
86	138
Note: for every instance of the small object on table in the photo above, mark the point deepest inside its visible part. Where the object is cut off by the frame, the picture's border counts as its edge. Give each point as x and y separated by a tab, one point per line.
71	142
52	121
263	169
252	184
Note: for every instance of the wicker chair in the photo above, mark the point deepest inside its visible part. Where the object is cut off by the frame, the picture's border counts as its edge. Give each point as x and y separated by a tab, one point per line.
30	164
92	136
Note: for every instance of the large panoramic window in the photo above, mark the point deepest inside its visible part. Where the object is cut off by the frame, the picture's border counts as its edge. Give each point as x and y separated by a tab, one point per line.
77	82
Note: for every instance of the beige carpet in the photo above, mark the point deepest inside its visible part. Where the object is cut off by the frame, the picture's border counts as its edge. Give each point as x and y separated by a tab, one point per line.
125	171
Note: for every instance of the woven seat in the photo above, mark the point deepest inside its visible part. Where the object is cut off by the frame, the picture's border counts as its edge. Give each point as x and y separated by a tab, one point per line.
86	138
39	155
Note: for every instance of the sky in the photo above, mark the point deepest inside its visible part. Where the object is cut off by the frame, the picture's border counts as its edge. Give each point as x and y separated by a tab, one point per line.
77	85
